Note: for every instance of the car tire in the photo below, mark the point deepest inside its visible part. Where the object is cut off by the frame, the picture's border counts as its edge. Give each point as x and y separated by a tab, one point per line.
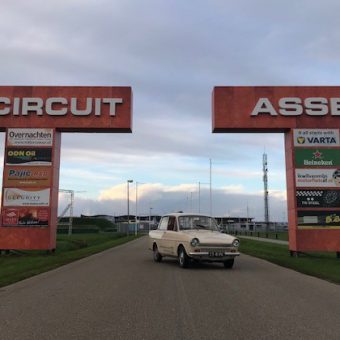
157	257
228	263
183	258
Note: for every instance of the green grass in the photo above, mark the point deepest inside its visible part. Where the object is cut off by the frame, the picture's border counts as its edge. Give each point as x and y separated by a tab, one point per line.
21	265
88	222
321	265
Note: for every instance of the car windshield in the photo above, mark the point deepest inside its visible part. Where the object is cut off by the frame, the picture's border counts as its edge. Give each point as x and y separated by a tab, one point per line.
197	222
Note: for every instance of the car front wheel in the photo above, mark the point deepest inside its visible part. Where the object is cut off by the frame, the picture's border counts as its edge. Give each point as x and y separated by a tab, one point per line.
183	258
228	263
157	257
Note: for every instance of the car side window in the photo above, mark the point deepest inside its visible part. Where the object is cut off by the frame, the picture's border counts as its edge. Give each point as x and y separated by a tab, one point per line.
163	224
172	225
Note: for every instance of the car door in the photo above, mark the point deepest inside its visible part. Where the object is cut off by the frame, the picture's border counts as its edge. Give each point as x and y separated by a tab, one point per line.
171	237
159	235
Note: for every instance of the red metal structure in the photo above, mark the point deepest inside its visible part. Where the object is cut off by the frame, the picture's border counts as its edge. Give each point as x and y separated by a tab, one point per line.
309	116
34	118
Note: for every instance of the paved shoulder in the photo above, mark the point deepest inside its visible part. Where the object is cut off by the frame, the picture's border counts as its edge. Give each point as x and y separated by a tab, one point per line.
123	294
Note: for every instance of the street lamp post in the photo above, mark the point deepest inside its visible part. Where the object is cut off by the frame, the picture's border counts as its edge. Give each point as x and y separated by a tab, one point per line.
128	204
136	219
210	189
150	218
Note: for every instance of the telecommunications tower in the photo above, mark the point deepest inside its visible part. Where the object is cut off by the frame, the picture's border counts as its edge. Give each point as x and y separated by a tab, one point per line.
265	183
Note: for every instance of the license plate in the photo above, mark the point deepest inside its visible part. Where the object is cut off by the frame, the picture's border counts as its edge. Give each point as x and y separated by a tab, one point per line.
216	253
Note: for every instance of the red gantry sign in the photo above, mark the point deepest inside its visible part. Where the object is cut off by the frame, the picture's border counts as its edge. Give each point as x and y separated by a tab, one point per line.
33	118
310	118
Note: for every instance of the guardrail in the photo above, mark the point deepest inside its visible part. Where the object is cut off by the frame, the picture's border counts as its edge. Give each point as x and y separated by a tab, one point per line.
261	234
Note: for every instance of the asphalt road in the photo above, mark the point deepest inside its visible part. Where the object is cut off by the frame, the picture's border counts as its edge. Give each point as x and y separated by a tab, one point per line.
123	294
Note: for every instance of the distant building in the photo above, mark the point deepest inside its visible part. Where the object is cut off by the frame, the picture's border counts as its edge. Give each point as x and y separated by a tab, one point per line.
248	224
106	217
121	221
226	224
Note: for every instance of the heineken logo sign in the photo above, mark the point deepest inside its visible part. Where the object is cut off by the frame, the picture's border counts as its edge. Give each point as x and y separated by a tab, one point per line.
317	157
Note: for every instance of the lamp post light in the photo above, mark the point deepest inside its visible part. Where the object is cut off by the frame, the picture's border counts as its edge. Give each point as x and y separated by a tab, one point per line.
128	205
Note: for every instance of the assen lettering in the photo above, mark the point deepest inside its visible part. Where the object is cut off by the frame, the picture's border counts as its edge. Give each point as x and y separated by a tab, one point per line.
294	106
57	106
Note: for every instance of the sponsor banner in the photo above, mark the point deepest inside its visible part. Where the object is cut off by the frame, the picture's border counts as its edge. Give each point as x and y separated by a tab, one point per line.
319	219
14	197
318	198
29	137
19	176
25	217
317	157
316	137
317	178
29	156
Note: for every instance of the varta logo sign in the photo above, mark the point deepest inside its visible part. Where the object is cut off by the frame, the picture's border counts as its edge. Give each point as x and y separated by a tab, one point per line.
317	140
316	137
295	106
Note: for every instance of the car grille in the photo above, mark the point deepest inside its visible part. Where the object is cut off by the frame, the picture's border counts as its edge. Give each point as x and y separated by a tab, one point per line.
215	249
222	246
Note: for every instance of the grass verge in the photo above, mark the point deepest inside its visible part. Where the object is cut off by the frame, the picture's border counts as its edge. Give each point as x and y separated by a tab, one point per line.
19	266
279	235
321	265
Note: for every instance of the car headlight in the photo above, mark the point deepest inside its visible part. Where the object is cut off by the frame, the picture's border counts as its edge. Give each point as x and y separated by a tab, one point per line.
195	242
236	243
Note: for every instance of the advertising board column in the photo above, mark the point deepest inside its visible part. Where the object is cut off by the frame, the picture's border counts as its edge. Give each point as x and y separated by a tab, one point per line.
291	198
30	189
313	185
309	116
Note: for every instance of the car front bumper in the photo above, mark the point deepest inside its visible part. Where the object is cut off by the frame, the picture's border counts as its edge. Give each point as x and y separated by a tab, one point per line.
213	256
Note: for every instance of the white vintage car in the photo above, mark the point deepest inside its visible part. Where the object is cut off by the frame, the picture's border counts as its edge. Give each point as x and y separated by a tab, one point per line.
192	237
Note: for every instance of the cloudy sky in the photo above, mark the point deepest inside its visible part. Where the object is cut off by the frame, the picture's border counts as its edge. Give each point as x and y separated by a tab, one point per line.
172	53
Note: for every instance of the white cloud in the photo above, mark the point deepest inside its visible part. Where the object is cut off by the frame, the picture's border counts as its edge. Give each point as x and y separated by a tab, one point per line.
163	201
234	189
172	60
